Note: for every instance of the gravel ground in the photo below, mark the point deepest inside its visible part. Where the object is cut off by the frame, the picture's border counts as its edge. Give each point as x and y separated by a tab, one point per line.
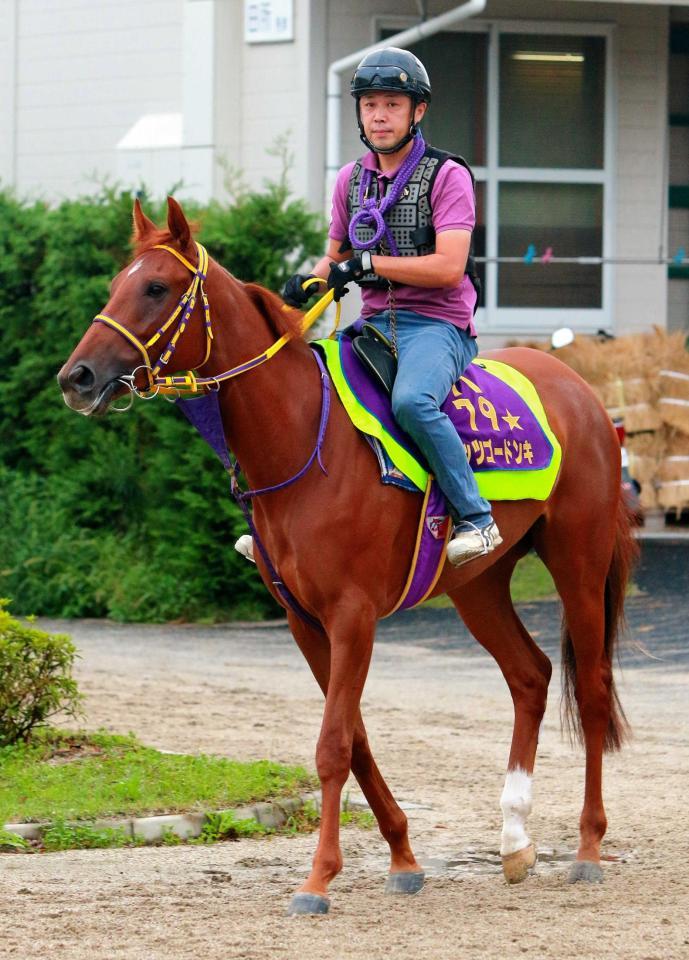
439	718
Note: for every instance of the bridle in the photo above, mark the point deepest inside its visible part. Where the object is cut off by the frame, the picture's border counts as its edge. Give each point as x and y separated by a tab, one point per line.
189	382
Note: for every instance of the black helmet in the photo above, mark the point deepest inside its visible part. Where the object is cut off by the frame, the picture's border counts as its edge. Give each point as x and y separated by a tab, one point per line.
392	69
396	71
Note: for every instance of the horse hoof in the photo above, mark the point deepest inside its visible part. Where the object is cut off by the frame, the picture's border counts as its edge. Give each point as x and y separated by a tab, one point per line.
585	871
405	882
516	866
308	904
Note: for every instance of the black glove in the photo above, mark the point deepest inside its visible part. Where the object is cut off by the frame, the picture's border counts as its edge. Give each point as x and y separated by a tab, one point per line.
343	273
294	294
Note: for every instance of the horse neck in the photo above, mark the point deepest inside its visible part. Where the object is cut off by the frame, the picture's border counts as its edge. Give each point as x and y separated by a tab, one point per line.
270	413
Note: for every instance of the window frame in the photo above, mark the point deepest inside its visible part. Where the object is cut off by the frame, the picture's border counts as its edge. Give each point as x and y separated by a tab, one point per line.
529	321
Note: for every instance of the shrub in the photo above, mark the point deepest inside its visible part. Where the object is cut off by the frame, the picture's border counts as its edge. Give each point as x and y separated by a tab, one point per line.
37	683
128	517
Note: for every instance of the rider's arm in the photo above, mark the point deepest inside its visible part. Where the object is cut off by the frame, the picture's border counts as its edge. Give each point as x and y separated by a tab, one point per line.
322	268
444	268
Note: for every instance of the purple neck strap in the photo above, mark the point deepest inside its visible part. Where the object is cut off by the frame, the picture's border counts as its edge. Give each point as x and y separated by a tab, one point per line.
244	495
372	211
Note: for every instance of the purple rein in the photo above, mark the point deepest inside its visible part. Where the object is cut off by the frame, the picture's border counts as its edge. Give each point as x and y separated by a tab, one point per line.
372	213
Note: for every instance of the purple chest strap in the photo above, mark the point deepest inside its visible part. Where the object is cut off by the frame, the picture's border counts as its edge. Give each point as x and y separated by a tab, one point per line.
204	414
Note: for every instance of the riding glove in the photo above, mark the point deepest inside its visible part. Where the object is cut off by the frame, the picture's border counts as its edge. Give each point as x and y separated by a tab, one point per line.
294	294
345	272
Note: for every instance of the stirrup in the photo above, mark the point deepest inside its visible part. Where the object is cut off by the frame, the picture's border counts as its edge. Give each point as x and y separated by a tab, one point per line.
375	352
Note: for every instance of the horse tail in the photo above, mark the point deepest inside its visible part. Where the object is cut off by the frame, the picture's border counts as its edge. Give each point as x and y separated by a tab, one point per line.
624	558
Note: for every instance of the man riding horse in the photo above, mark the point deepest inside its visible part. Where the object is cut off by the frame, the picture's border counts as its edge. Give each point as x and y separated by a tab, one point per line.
401	226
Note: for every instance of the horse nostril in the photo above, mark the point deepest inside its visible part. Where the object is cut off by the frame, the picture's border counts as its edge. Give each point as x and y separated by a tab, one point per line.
81	378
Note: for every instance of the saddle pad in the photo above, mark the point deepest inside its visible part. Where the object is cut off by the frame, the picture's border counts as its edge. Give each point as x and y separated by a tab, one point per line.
495	409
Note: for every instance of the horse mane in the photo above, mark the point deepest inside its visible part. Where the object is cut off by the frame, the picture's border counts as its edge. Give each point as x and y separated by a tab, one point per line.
273	310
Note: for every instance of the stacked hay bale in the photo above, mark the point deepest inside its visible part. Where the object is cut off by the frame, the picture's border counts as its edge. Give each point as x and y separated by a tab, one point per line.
644	380
673	476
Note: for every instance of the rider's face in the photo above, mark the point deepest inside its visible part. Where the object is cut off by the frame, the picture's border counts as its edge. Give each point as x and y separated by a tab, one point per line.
386	117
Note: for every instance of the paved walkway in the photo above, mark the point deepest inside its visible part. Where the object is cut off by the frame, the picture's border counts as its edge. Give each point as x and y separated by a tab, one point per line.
657	617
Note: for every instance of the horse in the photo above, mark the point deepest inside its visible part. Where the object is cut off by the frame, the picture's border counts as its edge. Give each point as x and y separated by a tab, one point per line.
342	541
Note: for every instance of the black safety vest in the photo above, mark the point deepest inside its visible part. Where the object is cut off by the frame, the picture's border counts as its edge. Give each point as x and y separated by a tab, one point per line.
411	219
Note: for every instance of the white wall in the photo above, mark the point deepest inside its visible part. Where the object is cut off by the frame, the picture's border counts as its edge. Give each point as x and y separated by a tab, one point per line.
85	72
8	19
642	67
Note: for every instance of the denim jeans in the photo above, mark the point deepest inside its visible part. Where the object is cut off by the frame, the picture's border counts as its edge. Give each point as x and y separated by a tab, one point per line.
432	355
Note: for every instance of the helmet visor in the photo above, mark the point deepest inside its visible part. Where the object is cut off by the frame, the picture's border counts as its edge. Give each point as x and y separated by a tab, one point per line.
389	78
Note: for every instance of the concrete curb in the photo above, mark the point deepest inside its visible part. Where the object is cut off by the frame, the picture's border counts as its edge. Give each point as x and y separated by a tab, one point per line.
186	826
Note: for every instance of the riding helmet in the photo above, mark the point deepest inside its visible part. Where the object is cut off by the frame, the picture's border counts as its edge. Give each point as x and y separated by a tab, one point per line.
395	71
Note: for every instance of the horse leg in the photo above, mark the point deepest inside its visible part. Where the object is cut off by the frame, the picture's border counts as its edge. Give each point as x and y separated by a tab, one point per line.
591	584
351	631
406	876
486	607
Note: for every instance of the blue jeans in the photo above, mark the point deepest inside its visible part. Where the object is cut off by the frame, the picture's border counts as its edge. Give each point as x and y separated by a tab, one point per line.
432	355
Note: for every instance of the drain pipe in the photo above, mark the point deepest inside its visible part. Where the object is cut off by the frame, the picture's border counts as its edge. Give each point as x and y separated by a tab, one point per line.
334	112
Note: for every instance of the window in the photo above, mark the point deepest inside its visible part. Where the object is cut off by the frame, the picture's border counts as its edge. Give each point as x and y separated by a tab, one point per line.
565	217
551	101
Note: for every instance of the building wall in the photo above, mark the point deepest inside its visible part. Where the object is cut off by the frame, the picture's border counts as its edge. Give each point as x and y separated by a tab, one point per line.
85	72
272	95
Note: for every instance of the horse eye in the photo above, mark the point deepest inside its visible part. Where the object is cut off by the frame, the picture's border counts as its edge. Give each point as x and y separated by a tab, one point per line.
156	289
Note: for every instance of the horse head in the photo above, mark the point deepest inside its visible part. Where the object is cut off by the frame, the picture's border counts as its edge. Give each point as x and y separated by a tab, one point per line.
134	335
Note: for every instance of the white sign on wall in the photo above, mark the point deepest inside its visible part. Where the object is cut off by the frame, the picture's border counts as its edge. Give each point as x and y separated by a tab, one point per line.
268	21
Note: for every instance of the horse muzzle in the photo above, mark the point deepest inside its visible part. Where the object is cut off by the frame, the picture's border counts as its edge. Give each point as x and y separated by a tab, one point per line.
87	392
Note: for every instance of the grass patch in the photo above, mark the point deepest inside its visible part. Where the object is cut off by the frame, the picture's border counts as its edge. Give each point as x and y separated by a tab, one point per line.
358	818
60	777
531	581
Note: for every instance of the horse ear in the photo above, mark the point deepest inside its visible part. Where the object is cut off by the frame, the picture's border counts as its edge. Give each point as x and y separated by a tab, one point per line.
142	225
177	223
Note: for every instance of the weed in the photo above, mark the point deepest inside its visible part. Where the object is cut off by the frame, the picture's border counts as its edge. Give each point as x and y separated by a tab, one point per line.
170	838
64	836
304	820
12	842
225	826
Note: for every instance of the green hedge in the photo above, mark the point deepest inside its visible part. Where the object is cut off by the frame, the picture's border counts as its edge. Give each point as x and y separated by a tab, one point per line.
129	516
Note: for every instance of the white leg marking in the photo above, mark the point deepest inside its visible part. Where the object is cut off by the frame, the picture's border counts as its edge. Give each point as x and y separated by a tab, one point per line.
516	807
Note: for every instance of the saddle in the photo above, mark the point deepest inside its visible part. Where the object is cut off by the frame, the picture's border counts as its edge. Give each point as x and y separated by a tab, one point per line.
495	409
375	352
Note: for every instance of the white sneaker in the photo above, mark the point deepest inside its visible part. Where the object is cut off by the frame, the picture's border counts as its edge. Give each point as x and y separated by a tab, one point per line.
245	546
470	541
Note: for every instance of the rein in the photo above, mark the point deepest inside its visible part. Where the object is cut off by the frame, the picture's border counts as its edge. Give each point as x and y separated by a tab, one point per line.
190	382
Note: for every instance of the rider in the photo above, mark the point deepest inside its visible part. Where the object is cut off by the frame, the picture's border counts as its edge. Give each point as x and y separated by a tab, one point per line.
410	259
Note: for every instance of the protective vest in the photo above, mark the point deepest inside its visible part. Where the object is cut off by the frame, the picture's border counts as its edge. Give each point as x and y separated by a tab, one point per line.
410	220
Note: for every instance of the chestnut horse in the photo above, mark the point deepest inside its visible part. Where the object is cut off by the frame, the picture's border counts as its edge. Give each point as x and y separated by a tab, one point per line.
344	553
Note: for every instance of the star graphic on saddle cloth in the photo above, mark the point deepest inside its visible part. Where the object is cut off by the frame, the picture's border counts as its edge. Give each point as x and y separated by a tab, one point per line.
512	422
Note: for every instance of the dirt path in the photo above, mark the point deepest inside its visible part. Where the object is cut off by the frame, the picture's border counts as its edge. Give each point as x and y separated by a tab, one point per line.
440	721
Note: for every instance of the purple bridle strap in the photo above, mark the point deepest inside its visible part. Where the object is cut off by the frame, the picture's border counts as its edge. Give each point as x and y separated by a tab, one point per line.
243	497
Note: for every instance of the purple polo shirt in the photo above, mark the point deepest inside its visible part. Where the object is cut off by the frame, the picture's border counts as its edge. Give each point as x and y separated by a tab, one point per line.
452	203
